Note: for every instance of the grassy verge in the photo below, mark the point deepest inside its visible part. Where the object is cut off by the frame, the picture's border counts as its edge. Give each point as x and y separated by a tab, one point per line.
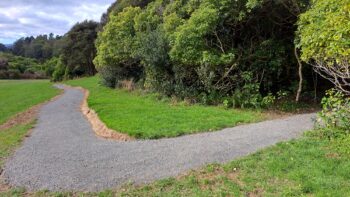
143	116
19	95
11	138
305	167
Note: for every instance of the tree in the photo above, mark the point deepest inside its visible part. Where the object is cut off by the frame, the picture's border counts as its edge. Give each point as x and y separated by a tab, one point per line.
119	5
116	48
42	47
3	63
203	50
79	50
324	40
3	48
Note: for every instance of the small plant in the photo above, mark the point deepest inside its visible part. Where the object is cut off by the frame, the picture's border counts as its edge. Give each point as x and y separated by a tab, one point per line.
335	114
282	94
336	110
227	104
268	100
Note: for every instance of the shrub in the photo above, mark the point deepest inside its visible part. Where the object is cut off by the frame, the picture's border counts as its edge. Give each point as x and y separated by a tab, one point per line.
334	119
59	71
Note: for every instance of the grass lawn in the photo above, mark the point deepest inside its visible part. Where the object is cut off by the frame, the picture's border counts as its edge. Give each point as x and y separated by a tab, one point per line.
143	116
18	95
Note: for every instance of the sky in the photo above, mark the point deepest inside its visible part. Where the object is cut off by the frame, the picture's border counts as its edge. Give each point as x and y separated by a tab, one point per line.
20	18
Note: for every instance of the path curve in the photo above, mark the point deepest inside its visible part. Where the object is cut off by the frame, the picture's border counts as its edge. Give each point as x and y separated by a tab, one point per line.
63	153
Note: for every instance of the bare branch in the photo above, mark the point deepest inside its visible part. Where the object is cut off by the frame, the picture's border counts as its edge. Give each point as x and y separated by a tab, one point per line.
336	72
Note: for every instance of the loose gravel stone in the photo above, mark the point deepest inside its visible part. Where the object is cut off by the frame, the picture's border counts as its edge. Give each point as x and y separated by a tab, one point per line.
63	153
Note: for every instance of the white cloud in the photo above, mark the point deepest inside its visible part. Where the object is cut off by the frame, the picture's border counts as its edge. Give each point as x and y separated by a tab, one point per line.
20	18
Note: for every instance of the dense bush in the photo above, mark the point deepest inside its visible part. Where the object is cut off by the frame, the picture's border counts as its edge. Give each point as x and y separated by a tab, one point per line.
203	50
16	67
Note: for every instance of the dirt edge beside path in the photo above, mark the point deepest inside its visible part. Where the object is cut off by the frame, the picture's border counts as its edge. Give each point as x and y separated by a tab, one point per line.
97	125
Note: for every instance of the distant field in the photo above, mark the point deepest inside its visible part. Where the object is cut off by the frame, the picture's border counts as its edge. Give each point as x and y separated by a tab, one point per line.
143	116
18	95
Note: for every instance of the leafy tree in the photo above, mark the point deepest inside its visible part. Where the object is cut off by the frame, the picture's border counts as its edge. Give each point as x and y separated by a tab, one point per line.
324	40
3	48
42	47
116	47
59	70
203	50
79	50
119	5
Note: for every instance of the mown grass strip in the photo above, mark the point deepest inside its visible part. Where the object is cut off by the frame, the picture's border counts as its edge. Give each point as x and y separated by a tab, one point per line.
146	117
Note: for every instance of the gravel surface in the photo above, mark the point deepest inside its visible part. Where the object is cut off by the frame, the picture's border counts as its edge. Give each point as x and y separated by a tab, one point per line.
63	153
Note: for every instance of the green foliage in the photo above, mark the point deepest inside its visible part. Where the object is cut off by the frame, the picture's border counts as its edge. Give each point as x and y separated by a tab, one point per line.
49	66
268	100
118	6
42	47
19	95
59	72
3	48
303	167
79	50
10	139
15	67
324	40
335	116
145	116
324	31
116	47
200	50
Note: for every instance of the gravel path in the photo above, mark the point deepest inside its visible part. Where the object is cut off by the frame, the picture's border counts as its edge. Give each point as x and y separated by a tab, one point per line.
64	154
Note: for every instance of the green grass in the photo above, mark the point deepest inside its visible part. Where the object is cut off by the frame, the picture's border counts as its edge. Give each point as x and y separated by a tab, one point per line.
304	167
19	95
11	138
143	116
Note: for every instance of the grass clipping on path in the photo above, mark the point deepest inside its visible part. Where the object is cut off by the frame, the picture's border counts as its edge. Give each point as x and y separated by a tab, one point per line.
143	116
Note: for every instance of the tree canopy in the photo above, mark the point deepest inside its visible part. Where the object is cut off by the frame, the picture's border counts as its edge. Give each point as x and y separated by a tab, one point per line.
324	39
202	49
79	49
3	48
42	47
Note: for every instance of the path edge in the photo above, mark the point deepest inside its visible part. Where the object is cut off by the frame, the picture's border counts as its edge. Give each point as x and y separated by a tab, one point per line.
99	127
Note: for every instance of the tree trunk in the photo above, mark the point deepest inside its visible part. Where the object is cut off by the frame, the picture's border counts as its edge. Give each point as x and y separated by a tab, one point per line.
300	75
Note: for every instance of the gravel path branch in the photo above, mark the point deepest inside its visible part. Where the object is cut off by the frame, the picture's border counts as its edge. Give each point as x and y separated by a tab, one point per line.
63	152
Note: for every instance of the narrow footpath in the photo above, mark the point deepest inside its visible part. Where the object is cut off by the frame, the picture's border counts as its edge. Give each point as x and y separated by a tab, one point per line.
63	153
